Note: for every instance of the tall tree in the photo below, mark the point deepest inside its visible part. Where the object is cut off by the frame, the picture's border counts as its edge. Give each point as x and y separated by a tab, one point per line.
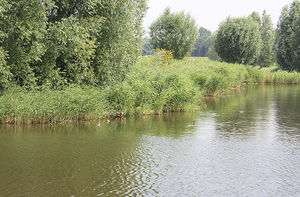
62	42
202	43
287	38
238	40
70	49
174	31
4	68
256	17
266	57
24	26
120	42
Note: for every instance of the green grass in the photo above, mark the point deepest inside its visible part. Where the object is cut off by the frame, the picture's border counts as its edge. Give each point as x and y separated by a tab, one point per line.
151	87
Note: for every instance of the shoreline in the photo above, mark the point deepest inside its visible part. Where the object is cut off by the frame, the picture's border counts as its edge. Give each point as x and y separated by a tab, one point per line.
150	88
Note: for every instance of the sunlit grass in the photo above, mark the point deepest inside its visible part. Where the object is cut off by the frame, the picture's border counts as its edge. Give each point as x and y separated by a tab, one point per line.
151	87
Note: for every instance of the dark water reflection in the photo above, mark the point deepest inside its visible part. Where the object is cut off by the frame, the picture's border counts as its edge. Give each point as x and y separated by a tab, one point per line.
246	144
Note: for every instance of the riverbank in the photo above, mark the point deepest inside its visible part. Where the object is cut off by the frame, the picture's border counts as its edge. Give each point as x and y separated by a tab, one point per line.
151	87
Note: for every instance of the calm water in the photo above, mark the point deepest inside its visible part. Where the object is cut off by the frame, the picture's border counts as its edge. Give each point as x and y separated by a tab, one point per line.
246	144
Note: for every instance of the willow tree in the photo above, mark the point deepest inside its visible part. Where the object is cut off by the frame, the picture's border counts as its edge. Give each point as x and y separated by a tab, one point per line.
24	26
109	31
63	42
4	68
238	40
288	51
174	31
266	56
120	40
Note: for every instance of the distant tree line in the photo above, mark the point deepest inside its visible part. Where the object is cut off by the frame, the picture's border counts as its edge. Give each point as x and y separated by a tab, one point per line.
202	43
252	40
246	40
56	43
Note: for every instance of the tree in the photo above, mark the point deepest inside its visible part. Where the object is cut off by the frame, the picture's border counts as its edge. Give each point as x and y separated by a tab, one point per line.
5	74
63	42
287	38
202	43
70	48
256	17
174	31
120	42
296	54
266	57
24	26
238	40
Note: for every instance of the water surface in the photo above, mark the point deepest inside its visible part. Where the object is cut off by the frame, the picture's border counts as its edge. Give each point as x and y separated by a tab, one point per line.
245	144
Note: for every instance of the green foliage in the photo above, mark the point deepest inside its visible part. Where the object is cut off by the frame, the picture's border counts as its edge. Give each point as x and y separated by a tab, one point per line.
120	42
256	17
24	26
266	57
5	74
56	43
162	57
49	106
174	31
149	88
238	40
202	43
288	52
70	49
212	53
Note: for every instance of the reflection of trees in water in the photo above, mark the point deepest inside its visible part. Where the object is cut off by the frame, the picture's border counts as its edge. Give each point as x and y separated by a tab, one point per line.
82	158
287	104
239	113
166	125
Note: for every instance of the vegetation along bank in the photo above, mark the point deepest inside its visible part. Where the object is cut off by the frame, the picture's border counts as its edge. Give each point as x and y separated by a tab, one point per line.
154	85
79	60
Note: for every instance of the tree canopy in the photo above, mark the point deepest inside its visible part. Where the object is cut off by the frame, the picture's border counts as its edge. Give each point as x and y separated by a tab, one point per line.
238	40
287	37
174	31
56	43
266	56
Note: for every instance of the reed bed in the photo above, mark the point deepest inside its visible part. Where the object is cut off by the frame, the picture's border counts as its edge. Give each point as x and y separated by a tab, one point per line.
151	87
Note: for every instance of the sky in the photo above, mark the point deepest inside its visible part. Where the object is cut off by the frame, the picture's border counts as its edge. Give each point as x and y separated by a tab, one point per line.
209	13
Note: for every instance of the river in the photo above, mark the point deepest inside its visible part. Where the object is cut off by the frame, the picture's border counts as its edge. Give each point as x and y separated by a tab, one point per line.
245	144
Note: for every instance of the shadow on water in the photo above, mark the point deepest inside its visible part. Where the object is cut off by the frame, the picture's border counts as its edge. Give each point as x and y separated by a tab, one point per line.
246	143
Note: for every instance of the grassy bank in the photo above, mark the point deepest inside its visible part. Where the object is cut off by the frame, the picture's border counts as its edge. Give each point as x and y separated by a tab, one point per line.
151	87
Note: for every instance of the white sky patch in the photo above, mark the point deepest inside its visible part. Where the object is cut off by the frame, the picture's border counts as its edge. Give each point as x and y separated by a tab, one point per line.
209	13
